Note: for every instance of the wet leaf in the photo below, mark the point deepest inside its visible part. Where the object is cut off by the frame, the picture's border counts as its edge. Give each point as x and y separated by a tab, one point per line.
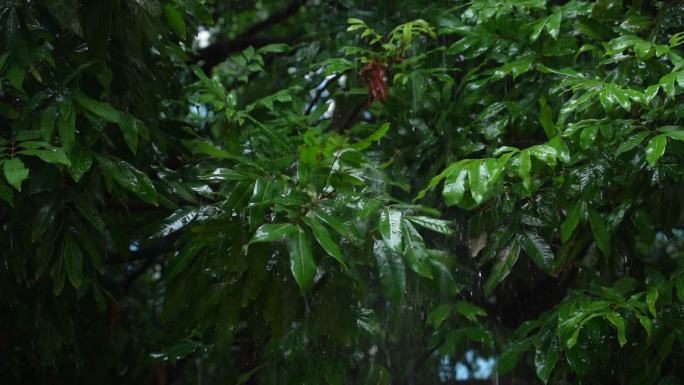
323	237
302	263
390	229
273	232
655	149
391	271
538	250
415	252
505	261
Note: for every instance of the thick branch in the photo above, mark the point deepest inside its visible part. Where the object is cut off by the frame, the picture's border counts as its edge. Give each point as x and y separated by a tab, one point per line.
220	50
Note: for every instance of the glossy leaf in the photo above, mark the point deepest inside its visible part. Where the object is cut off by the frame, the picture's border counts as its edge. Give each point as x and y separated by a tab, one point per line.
538	250
324	239
655	149
302	264
415	251
391	271
390	229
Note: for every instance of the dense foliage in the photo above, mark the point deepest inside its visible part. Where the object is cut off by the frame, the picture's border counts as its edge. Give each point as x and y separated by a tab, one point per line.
341	192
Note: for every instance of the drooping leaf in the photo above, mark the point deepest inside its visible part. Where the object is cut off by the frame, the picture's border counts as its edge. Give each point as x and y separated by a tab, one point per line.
655	149
391	271
619	323
390	229
505	261
437	225
324	239
73	260
571	221
600	230
175	20
547	354
538	250
80	161
415	251
302	262
271	232
129	178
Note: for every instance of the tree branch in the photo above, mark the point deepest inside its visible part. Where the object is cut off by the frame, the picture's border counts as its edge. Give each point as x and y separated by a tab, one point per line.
220	50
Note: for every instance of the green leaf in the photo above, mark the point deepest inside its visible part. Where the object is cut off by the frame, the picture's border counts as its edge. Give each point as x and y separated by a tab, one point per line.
302	263
16	75
588	137
546	119
571	221
478	178
73	260
538	250
561	148
53	155
631	142
46	121
655	149
81	159
438	315
105	111
175	20
437	225
525	168
390	229
511	353
553	24
272	232
66	125
414	250
129	178
323	237
547	354
600	231
274	48
181	261
375	136
619	323
651	298
505	261
673	132
646	323
391	270
15	172
454	185
469	311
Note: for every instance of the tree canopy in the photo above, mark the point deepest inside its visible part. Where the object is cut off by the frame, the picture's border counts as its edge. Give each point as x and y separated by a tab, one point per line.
341	192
